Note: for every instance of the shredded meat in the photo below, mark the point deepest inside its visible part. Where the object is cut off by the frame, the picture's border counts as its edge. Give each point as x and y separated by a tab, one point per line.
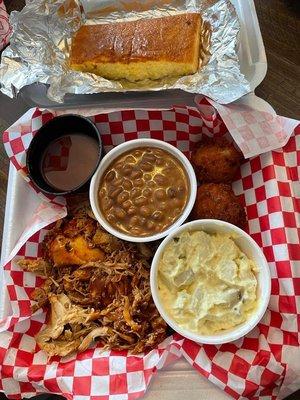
39	266
107	298
106	242
67	327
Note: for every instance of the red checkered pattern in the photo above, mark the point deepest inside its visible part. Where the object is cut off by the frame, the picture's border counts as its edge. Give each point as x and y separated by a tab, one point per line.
264	364
57	159
254	132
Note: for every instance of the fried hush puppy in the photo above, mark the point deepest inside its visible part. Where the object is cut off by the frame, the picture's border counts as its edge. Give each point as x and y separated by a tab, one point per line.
217	201
216	161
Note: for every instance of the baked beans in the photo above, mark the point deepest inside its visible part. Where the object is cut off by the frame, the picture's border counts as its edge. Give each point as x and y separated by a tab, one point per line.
143	191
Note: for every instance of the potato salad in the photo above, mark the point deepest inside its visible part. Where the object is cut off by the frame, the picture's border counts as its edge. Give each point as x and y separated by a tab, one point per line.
206	283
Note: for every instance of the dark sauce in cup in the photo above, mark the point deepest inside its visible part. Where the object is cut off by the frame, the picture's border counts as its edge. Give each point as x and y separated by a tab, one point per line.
69	160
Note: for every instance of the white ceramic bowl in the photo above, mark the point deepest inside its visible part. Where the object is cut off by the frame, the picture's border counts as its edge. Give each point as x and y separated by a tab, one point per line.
116	152
250	248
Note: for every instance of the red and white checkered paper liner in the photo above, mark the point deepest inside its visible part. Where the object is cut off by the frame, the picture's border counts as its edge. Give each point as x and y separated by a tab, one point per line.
263	365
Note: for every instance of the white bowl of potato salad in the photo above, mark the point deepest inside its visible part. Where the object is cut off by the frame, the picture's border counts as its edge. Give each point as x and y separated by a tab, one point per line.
210	281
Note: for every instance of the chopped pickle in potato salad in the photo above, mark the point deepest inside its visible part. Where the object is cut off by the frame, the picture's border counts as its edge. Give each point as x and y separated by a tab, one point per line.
206	283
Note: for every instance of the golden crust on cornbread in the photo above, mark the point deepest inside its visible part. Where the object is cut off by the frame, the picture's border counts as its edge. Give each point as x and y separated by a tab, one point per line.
139	50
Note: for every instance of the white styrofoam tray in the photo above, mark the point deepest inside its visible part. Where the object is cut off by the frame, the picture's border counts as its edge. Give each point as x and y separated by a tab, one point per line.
171	383
178	380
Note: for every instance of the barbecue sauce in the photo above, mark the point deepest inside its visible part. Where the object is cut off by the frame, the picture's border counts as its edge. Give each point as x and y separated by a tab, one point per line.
69	161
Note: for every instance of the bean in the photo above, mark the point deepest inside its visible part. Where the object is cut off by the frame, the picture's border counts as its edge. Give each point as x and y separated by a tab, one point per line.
160	179
132	210
168	171
120	213
150	225
162	206
122	197
111	218
171	192
119	166
149	158
160	162
157	216
127	170
145	211
110	176
158	228
118	182
106	207
147	192
138	182
181	191
136	192
135	231
106	203
127	184
152	185
176	212
136	173
137	153
102	192
140	201
143	221
127	204
115	192
135	221
146	166
157	152
129	160
160	194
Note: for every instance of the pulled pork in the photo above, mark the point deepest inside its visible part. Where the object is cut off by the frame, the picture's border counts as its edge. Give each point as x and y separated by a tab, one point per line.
97	290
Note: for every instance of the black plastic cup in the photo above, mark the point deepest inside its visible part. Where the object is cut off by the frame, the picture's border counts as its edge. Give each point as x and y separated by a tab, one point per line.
49	132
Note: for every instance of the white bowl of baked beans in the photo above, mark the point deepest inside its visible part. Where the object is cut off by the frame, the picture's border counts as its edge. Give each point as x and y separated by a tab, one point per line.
142	190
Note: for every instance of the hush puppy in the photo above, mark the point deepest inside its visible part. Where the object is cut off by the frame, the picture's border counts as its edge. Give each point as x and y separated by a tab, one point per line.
216	161
217	201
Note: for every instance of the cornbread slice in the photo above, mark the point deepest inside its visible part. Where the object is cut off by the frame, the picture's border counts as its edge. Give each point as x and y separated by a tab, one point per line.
138	50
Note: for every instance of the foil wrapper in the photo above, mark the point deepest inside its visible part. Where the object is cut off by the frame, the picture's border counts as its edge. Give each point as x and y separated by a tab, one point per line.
42	33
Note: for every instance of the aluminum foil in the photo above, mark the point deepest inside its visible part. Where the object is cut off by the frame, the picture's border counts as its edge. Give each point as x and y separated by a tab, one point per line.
42	32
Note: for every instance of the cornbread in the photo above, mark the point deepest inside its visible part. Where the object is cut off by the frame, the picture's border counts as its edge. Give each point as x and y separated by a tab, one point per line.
139	50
